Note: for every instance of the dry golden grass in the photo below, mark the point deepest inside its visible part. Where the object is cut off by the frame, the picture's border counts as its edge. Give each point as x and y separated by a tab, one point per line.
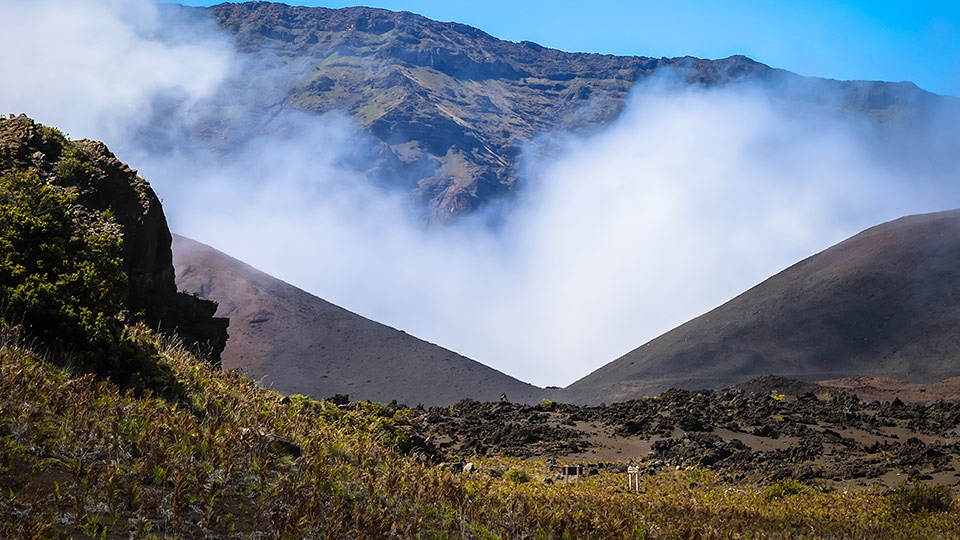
78	458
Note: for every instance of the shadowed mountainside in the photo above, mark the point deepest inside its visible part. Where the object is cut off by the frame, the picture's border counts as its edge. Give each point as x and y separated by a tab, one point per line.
883	303
295	342
452	108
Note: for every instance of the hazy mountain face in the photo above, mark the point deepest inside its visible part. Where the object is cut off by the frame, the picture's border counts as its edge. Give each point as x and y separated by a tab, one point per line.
599	201
450	106
451	109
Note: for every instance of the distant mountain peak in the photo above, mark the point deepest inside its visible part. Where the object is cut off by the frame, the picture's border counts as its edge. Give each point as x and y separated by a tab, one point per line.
451	106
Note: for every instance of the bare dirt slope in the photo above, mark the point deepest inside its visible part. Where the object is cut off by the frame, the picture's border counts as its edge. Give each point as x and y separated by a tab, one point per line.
884	303
295	342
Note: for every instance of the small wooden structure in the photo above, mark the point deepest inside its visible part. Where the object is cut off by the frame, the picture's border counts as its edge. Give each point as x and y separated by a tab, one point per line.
572	471
633	478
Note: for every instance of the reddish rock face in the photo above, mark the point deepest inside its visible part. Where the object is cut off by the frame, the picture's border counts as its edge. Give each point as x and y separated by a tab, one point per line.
295	342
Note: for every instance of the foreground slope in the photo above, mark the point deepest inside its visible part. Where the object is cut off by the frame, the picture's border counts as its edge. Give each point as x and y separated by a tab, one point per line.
81	459
298	343
884	303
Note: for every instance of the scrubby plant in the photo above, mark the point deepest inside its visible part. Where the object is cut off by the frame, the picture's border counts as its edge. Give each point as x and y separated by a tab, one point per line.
62	281
517	475
922	497
74	165
783	488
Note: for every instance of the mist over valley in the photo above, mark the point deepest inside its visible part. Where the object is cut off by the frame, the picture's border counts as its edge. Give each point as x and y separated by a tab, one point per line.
538	211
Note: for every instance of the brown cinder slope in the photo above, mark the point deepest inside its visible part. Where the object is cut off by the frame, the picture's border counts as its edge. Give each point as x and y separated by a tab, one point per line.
295	342
884	303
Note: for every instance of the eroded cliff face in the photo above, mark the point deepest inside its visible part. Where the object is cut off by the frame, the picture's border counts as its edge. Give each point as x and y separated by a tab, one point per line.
455	110
103	183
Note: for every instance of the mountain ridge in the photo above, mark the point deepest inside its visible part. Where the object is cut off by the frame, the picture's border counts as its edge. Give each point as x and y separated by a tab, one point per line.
453	109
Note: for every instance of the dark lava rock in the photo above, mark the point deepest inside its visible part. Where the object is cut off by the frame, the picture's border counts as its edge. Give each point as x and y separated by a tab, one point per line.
811	439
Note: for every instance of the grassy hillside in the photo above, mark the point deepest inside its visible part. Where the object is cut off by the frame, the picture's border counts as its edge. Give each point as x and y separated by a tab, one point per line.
230	459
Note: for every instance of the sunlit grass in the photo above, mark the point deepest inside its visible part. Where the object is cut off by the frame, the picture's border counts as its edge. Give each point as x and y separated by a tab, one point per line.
80	458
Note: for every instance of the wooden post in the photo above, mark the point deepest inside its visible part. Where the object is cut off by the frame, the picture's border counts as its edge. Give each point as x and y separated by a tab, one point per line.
633	477
572	470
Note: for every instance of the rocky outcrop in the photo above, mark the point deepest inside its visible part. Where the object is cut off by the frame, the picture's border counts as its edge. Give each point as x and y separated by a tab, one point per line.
103	183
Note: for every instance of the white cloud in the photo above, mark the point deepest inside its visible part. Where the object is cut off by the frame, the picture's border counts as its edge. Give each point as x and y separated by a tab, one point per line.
95	66
688	199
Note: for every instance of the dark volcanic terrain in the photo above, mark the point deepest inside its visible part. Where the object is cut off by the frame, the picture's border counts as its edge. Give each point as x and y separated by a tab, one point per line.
766	430
294	342
883	303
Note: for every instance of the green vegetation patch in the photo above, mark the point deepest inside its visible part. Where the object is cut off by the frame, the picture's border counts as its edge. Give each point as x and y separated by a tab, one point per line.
62	282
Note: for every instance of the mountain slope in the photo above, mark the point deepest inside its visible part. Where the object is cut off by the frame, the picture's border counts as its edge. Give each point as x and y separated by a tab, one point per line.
883	303
297	343
453	107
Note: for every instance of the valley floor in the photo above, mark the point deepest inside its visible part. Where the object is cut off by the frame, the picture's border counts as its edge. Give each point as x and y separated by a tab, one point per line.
767	431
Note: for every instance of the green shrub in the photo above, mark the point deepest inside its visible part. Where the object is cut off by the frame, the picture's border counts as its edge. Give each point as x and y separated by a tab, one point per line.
73	165
517	475
783	488
921	497
62	280
65	280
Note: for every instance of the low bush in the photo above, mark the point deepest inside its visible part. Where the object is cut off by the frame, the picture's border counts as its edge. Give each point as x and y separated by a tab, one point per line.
62	282
922	497
517	475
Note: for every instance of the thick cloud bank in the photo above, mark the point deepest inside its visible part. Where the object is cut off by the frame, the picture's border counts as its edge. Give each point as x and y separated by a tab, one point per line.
688	199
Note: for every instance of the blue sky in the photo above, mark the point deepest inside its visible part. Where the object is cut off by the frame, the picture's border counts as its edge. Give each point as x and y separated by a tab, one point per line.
917	41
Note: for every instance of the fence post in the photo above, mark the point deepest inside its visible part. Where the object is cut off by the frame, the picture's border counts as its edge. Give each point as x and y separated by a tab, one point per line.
633	478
